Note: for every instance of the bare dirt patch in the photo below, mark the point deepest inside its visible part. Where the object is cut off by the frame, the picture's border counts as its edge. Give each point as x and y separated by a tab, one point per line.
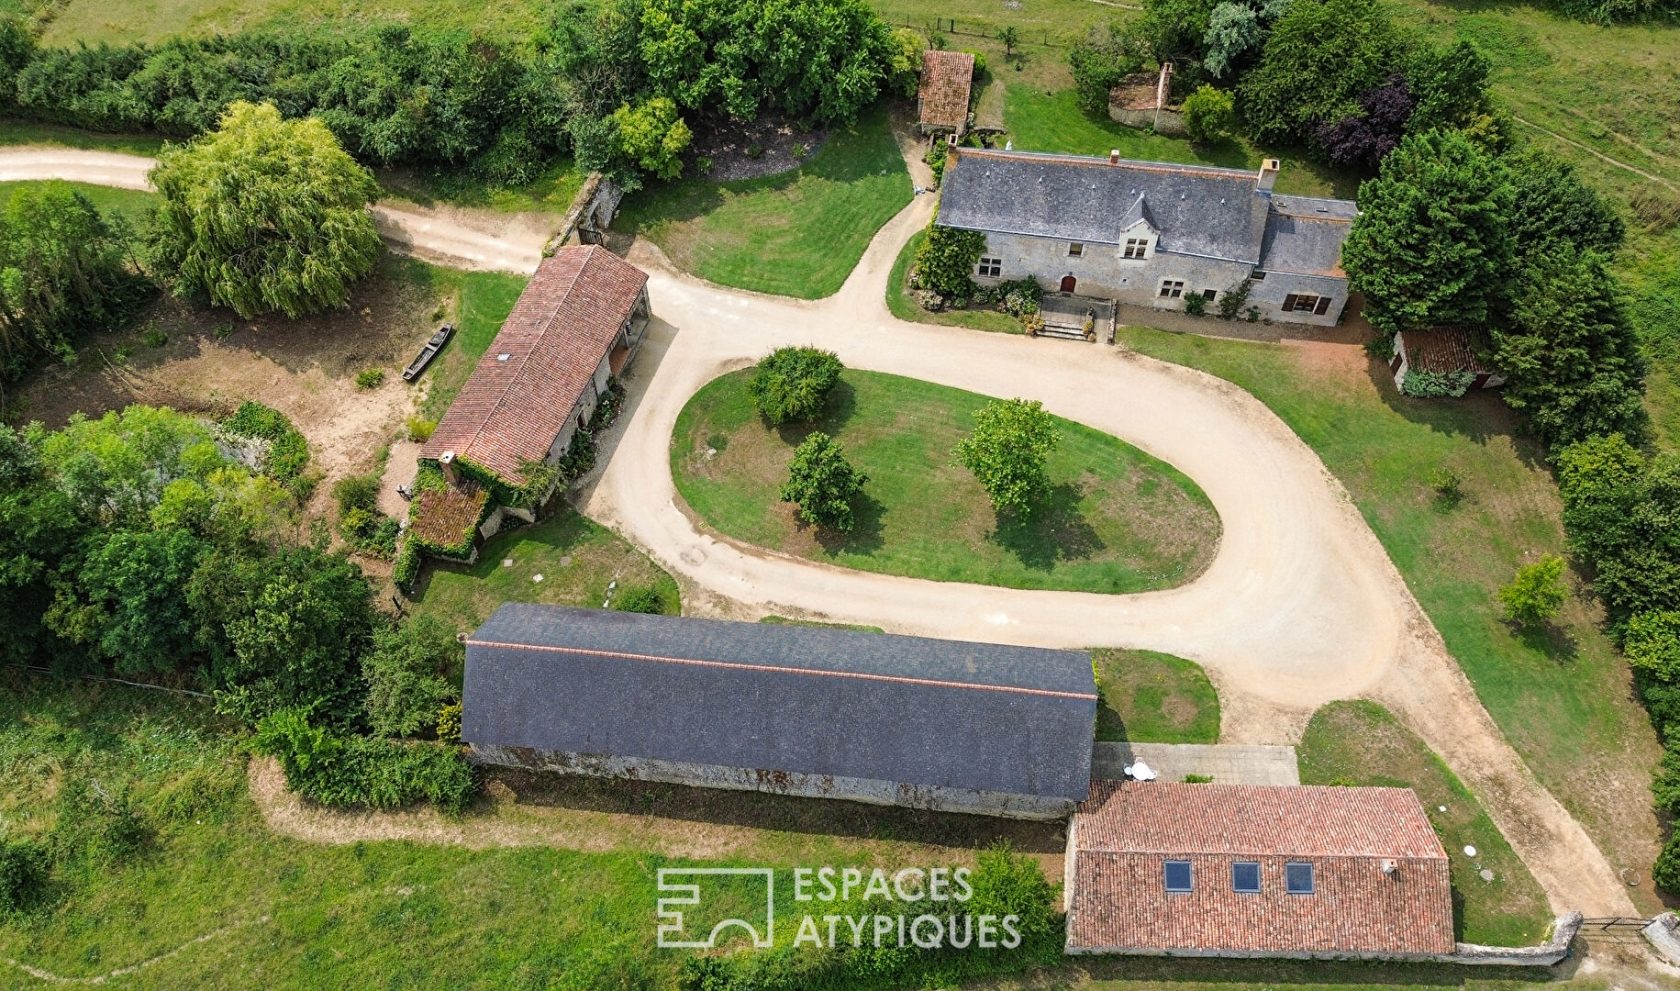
211	361
767	146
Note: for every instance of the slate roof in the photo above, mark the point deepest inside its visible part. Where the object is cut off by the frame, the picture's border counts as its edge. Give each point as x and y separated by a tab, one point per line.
946	713
943	96
1304	235
1125	832
511	409
1198	210
1443	349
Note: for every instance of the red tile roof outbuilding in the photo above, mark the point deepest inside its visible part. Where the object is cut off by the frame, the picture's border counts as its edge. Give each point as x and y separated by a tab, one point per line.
1380	879
512	409
943	97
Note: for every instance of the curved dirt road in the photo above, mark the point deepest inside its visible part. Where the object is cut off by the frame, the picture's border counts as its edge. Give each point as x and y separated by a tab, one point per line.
1300	606
441	235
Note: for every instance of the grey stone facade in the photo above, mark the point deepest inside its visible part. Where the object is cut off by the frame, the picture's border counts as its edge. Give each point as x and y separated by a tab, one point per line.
1150	234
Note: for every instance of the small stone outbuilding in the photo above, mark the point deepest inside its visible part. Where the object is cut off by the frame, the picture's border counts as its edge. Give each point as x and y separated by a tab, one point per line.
1450	355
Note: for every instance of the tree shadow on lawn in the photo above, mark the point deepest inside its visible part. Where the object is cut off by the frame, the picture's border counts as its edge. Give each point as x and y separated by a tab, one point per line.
1555	642
1053	532
1479	415
865	535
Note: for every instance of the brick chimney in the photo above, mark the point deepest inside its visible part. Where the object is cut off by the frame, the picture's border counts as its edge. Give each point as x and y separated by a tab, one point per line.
1268	175
1114	156
446	461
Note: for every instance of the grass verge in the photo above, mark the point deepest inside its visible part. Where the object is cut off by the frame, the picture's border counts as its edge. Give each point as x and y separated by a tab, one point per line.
1360	743
1148	697
795	234
1116	520
1562	696
130	203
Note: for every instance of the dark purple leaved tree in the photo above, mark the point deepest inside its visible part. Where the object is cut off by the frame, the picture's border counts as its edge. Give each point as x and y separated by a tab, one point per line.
1361	140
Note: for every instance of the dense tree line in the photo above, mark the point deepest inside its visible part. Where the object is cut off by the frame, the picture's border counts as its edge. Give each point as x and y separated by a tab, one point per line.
400	95
132	544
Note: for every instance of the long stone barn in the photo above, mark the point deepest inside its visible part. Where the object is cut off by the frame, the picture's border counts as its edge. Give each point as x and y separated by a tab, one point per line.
813	711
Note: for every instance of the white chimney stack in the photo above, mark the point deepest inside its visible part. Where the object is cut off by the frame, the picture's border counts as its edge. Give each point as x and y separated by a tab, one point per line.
1114	156
1268	175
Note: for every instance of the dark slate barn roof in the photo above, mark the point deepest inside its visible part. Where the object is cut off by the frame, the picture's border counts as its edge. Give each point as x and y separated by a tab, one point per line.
1198	210
945	713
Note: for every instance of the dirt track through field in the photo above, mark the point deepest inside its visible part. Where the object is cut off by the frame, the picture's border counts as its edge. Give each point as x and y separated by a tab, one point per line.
1301	605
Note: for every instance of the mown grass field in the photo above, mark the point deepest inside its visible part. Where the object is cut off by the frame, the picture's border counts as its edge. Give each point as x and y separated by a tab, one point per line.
1116	520
1148	697
1562	697
131	204
575	558
1360	743
215	899
799	233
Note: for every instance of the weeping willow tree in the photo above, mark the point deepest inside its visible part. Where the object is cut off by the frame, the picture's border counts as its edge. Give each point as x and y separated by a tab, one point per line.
64	270
264	215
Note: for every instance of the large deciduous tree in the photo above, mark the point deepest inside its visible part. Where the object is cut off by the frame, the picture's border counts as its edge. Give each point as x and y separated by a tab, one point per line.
1320	57
1009	453
264	215
1431	245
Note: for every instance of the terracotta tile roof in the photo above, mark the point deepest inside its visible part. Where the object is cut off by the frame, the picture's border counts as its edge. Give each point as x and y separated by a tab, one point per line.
1126	830
1443	349
943	97
511	409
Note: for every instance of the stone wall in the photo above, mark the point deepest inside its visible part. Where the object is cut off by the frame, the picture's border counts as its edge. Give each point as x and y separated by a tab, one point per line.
1165	121
779	782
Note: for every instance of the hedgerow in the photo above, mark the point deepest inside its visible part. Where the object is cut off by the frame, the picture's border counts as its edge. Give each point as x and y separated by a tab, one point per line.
342	771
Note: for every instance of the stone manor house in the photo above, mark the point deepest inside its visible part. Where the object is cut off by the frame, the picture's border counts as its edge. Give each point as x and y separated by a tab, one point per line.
1150	233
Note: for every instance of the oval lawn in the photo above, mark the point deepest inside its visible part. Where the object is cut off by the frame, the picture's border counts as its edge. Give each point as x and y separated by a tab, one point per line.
1115	520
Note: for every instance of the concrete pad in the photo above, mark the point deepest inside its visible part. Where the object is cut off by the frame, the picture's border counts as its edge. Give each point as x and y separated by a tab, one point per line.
1227	764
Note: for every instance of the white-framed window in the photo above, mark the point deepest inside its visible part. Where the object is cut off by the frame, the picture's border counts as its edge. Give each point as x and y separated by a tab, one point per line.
1245	877
1298	878
1135	247
1176	876
1306	303
1076	250
1172	288
989	268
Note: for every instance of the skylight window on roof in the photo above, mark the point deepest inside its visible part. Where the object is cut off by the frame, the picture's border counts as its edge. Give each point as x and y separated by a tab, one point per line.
1245	877
1298	878
1176	875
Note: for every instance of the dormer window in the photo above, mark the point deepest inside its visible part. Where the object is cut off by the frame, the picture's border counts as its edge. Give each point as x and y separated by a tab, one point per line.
1135	247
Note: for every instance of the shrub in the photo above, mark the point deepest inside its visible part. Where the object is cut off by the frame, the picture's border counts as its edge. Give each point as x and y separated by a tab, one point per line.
341	771
1666	871
1209	115
792	383
1198	779
945	262
356	492
1231	300
1195	304
1436	385
23	875
1447	485
420	429
1019	297
370	378
936	156
1536	593
410	674
449	723
406	568
641	599
1100	62
822	483
288	451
